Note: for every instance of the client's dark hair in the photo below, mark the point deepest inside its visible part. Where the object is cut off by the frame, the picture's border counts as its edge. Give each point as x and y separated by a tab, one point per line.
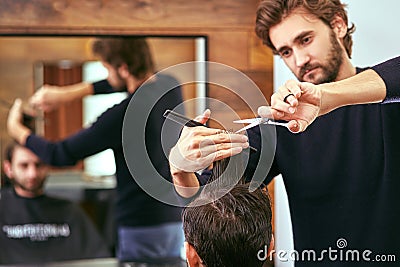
9	151
229	227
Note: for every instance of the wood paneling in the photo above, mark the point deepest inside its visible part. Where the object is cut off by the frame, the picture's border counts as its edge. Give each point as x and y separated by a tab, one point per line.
240	95
142	15
260	56
67	119
230	47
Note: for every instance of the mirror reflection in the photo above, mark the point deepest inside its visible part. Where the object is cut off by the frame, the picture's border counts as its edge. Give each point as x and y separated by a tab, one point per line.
28	63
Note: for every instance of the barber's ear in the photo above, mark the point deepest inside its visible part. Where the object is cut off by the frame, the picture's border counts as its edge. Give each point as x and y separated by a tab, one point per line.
7	168
192	257
123	71
339	27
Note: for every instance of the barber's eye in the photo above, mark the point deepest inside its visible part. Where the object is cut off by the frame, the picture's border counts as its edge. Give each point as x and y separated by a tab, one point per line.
307	40
285	53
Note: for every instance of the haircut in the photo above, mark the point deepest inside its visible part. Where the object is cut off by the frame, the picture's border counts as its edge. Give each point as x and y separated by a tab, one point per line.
229	230
272	12
9	152
132	51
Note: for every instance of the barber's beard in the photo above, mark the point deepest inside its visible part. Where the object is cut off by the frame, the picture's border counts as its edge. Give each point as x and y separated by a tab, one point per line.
330	69
118	84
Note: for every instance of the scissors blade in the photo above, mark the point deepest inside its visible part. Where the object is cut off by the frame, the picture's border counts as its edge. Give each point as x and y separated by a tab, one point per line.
251	125
248	120
277	123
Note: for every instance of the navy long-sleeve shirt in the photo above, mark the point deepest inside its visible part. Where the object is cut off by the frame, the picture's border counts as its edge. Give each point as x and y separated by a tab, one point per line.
342	177
134	207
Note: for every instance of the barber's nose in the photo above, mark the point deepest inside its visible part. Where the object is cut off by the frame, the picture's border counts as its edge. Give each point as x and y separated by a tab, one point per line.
301	58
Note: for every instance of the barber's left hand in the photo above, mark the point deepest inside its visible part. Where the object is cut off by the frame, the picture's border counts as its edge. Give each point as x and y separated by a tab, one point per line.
198	147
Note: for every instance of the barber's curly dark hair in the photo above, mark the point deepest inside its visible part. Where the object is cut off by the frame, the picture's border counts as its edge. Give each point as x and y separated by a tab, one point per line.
133	51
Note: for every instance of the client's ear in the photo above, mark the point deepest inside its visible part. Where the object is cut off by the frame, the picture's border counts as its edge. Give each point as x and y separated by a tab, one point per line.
271	245
192	257
7	169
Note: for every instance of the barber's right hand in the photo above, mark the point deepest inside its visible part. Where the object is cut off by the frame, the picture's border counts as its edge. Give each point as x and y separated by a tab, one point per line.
48	98
299	103
198	147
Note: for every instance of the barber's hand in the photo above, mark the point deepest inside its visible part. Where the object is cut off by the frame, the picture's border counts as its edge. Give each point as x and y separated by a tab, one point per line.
15	114
301	106
198	147
15	126
48	98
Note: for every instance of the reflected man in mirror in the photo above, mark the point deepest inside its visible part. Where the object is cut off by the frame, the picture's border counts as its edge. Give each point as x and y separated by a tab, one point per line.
36	228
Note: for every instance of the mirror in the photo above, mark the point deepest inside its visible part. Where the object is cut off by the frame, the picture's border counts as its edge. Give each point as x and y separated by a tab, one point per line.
20	57
21	73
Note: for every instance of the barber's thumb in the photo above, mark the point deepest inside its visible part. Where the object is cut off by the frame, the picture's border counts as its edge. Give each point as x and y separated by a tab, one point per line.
204	117
264	112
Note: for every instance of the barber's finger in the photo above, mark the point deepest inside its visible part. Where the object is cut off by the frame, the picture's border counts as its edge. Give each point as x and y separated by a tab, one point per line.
276	114
221	154
285	95
265	112
293	126
216	135
193	132
223	149
294	88
290	99
297	126
225	138
188	165
278	103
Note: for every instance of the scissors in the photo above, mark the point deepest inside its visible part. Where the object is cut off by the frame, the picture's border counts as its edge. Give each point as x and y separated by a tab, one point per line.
257	121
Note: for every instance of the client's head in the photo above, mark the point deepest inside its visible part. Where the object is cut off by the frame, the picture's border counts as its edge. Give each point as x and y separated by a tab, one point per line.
228	230
25	170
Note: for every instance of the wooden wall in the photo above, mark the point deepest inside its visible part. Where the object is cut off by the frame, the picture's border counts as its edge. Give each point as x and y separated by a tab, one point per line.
228	25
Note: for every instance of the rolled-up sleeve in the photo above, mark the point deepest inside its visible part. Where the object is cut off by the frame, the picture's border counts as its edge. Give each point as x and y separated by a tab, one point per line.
389	71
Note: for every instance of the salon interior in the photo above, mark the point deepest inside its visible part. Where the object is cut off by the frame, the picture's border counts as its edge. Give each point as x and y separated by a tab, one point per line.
48	42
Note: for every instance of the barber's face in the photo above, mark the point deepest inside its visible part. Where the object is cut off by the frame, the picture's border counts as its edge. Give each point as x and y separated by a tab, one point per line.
309	47
27	172
115	80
